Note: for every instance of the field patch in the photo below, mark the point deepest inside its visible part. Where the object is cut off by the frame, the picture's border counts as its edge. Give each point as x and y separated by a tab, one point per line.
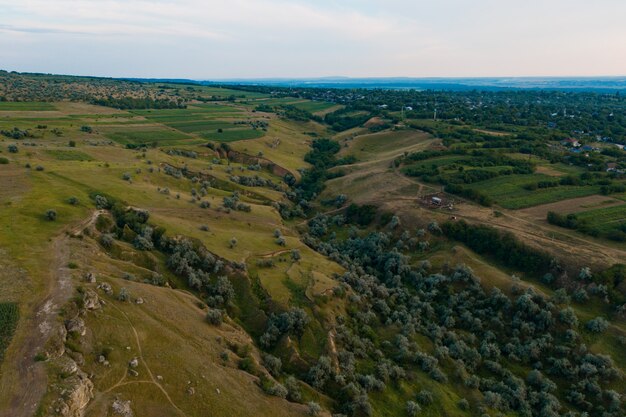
26	106
8	322
144	136
573	205
231	135
68	155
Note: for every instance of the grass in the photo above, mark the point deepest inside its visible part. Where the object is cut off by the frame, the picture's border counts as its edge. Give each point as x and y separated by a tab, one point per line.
26	106
232	135
9	314
509	192
68	155
143	137
604	219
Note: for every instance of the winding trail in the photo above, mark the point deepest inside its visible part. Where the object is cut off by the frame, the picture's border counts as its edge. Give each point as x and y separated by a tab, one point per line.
28	390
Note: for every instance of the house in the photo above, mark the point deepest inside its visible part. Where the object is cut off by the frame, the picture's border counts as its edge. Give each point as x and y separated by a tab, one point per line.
436	200
570	142
611	166
409	108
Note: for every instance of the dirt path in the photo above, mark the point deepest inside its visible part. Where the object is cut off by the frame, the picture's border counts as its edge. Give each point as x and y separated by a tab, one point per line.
152	380
31	386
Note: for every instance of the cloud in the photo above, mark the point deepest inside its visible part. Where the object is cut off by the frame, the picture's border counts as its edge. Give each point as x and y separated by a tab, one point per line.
248	38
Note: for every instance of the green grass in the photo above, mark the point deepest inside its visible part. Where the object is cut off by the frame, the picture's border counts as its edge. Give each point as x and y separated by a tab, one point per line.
9	314
314	106
68	155
199	125
604	219
231	135
509	192
143	137
26	106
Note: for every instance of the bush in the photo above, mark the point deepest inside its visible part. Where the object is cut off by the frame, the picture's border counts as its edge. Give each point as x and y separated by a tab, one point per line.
214	316
3	160
597	325
272	364
412	408
126	176
72	143
12	148
124	295
314	408
73	201
463	404
51	214
425	397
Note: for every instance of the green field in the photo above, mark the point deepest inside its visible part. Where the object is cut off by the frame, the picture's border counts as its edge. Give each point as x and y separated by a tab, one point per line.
8	321
509	192
604	219
142	137
231	135
26	106
68	155
199	125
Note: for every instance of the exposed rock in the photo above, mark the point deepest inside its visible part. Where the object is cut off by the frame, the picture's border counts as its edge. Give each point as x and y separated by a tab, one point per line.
139	300
76	395
55	346
101	359
67	366
106	287
191	390
76	356
90	277
133	372
91	300
218	390
134	362
76	326
122	408
159	377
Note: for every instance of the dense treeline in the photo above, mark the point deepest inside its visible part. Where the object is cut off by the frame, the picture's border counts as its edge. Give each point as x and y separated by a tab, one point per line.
127	103
502	246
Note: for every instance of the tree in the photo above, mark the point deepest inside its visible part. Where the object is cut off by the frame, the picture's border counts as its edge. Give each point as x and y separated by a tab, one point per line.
295	255
51	214
597	325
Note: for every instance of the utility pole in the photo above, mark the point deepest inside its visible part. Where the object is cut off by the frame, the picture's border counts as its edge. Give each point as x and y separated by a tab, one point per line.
435	115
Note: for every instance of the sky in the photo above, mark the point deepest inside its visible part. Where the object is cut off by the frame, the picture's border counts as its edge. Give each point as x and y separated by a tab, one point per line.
222	39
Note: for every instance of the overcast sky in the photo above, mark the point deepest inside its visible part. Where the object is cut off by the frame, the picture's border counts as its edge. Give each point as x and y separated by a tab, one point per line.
215	39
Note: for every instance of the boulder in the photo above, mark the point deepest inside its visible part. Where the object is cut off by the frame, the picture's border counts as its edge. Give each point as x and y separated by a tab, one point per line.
106	287
91	301
90	277
122	408
134	362
76	326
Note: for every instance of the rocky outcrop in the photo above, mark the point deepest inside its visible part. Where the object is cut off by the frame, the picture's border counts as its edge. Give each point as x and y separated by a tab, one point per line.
76	326
55	346
76	394
91	301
